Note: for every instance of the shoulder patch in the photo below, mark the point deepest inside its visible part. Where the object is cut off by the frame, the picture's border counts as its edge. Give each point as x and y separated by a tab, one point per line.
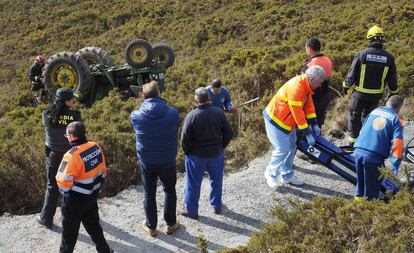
377	58
379	123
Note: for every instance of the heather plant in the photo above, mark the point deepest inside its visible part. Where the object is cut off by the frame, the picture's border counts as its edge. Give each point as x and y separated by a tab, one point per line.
252	46
337	225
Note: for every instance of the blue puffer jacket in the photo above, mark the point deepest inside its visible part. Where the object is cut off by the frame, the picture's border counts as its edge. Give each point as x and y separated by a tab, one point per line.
155	125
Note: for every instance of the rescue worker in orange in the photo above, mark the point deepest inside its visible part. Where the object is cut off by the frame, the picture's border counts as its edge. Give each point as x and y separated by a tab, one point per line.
321	98
290	108
80	177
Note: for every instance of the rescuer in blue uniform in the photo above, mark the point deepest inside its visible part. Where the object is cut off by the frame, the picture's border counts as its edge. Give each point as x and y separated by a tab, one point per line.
381	136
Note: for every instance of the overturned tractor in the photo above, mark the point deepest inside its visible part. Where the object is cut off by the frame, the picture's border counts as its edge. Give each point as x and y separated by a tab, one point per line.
92	73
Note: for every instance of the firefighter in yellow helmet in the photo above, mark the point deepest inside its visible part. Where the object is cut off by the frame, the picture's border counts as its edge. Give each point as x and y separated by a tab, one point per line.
372	69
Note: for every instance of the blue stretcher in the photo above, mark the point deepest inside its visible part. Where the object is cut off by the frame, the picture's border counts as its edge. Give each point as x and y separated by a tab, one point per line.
339	160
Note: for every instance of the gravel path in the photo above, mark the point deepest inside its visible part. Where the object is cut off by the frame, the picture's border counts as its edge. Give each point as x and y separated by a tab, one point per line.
246	197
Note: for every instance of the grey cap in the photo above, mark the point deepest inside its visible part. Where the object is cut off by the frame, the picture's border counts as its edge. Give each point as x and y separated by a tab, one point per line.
201	95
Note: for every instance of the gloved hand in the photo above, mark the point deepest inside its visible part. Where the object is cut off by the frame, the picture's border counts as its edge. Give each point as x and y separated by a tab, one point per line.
394	169
310	139
234	110
317	130
344	91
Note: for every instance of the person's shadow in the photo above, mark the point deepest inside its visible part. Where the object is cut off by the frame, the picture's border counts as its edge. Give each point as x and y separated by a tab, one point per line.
186	241
256	223
308	191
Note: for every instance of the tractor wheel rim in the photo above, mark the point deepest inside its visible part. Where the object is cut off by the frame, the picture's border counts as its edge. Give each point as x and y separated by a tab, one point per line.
138	54
64	76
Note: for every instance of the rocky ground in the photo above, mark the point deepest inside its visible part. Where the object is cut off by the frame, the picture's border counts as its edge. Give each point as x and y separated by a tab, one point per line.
246	196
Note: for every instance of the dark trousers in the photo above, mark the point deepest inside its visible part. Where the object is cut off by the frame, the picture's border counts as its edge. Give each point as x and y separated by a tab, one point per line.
368	175
358	110
75	211
168	178
321	102
53	160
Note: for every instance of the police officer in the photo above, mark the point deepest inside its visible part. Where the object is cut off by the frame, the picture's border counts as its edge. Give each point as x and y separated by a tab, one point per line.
54	120
321	97
371	69
81	174
35	73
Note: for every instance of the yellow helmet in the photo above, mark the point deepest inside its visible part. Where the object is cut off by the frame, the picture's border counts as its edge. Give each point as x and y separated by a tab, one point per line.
375	31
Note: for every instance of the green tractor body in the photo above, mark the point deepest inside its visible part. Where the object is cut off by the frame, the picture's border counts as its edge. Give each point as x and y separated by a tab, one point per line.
128	80
91	72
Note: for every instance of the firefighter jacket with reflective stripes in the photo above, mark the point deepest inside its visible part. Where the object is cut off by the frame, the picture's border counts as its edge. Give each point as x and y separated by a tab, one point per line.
382	133
56	129
292	105
372	69
82	170
327	65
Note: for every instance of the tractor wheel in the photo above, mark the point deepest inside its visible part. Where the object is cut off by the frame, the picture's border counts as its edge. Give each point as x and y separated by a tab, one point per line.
67	70
96	55
163	54
138	53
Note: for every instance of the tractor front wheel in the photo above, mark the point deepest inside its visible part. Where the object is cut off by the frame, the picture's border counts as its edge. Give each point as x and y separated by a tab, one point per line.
163	54
138	53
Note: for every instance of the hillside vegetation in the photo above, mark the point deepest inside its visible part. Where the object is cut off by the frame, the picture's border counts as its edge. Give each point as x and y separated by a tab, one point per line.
253	46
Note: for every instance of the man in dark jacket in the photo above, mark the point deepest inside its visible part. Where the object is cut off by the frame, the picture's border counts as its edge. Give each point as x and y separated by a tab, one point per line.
206	133
155	125
371	69
55	120
35	73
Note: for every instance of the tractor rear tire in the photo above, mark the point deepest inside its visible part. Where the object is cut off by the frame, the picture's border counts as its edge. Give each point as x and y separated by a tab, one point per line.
138	53
163	54
66	69
96	55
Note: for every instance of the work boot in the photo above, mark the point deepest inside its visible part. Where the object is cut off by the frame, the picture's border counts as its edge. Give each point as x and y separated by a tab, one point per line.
151	231
295	180
43	222
217	210
171	229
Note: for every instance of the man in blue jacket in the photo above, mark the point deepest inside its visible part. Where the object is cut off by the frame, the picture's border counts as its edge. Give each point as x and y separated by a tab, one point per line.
206	133
380	136
220	97
155	125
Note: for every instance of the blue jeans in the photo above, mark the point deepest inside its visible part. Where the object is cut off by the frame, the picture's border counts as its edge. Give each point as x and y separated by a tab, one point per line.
284	149
168	178
367	165
195	167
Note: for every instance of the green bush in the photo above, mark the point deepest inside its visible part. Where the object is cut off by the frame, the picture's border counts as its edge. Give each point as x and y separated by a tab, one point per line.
253	46
337	225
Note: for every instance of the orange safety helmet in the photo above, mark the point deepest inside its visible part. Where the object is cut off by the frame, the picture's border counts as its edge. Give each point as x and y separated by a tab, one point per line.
39	59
